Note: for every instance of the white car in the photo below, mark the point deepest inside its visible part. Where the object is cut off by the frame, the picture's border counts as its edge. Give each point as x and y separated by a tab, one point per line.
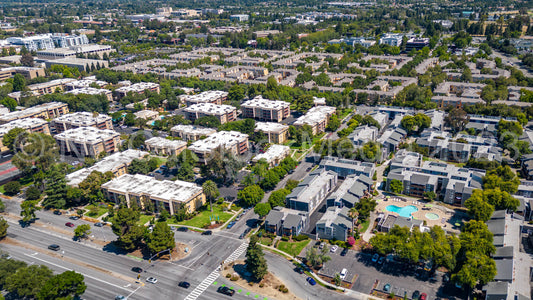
343	273
334	248
151	280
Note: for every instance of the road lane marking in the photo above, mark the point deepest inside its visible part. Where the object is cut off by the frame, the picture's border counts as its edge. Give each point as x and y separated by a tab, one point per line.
65	268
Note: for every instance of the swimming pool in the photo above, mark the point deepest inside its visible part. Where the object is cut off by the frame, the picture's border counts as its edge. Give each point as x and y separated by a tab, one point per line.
432	216
405	211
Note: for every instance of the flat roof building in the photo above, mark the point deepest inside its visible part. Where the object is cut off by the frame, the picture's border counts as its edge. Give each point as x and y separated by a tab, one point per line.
81	119
191	132
82	64
317	117
277	133
172	195
116	163
146	114
88	141
313	189
92	91
48	110
233	141
31	125
162	146
274	155
27	72
76	51
224	113
266	110
138	88
214	97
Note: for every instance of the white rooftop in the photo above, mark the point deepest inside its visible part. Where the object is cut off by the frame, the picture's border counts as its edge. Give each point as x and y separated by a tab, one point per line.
314	115
31	111
165	143
206	96
82	119
193	129
210	108
107	164
21	123
137	87
226	139
87	135
165	190
270	127
273	152
88	91
261	102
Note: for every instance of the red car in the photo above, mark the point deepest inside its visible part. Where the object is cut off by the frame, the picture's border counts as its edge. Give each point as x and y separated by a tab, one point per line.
423	296
69	224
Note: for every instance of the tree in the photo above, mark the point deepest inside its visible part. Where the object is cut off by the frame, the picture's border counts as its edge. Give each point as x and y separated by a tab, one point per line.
255	261
303	103
56	190
32	193
236	93
129	119
211	192
431	196
12	188
315	258
334	123
15	135
8	267
28	281
262	209
277	198
457	119
126	228
66	285
503	178
2	206
9	103
82	231
250	195
479	208
337	280
19	83
27	210
478	269
161	238
3	228
27	60
396	186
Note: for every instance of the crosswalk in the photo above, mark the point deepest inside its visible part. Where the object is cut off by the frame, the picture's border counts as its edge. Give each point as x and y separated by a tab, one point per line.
214	275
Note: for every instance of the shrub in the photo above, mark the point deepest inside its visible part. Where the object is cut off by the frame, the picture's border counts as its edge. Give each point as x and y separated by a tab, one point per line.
283	289
12	188
32	193
261	285
285	238
234	278
228	275
300	237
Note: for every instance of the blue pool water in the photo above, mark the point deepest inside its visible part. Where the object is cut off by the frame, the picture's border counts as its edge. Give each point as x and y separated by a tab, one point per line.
405	211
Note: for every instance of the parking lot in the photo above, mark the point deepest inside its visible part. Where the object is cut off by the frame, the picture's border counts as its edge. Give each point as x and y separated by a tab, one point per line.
403	278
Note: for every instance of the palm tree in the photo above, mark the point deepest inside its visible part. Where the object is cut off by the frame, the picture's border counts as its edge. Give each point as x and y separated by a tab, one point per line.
210	191
353	213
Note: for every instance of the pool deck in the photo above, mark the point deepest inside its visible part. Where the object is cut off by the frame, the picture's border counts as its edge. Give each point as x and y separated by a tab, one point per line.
444	213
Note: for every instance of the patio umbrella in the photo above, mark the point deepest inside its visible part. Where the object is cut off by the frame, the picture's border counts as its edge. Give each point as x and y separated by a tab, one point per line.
428	205
457	224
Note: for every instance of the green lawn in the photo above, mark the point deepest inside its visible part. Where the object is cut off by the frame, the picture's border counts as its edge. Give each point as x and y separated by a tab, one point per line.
293	248
202	219
144	219
102	209
364	226
265	241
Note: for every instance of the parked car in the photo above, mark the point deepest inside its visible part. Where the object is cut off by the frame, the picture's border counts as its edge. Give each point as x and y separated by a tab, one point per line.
299	270
375	257
183	229
57	212
226	291
445	278
137	270
98	224
230	224
69	224
381	260
322	245
54	247
184	284
334	248
207	232
120	297
344	252
152	280
416	295
423	296
311	281
74	218
386	288
343	273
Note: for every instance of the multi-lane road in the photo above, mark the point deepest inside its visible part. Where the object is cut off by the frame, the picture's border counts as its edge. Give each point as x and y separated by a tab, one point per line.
108	272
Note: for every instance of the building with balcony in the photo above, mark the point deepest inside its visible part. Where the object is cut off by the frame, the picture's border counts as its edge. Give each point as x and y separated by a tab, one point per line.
31	125
48	110
317	117
191	132
266	110
88	141
277	133
162	146
232	141
224	113
81	119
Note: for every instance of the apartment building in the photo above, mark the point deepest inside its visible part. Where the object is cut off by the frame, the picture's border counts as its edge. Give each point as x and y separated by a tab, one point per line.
162	146
171	195
416	44
266	110
81	119
335	223
45	111
31	125
285	221
33	43
224	113
191	132
277	133
92	91
232	141
274	155
116	163
74	51
350	192
346	167
317	117
82	64
311	191
85	83
214	97
138	88
88	141
27	72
